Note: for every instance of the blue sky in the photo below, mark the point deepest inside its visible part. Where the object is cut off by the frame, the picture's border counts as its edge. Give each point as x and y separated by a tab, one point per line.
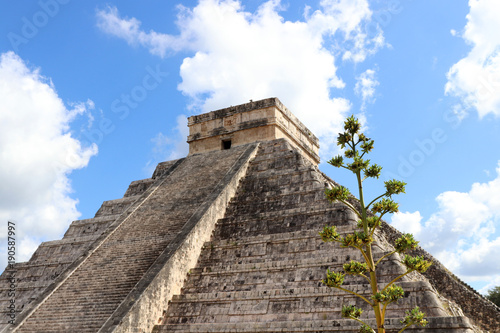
95	93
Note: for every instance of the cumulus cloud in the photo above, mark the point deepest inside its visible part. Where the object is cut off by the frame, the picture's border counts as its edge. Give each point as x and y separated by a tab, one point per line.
409	222
365	87
462	232
475	79
129	29
37	155
239	55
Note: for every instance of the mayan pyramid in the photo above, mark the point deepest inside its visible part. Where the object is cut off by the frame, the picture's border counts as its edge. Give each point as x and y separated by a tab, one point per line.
224	240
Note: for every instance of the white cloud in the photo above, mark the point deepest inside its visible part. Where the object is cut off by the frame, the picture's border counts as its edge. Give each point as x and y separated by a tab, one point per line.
37	154
407	222
494	283
365	87
475	79
129	29
240	55
462	232
347	17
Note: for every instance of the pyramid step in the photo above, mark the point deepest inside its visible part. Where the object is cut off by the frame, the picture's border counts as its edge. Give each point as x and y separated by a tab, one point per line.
282	162
275	247
282	237
248	192
163	168
330	213
117	206
260	225
313	199
288	276
138	187
105	278
311	302
314	259
436	325
93	226
310	291
68	241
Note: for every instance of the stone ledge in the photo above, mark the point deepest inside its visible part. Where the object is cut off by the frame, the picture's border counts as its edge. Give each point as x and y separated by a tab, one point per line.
30	308
136	310
436	325
138	186
291	292
474	305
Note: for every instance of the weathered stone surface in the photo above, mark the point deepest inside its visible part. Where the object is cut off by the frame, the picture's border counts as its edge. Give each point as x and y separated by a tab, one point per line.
263	120
441	325
262	269
237	229
480	310
52	258
88	294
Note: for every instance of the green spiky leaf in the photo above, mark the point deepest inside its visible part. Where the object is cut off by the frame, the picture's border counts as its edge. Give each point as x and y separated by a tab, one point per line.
356	240
355	268
362	138
389	295
336	161
358	164
414	317
329	234
351	311
349	153
394	187
367	146
333	279
405	242
343	139
417	263
372	222
340	193
385	206
352	125
373	171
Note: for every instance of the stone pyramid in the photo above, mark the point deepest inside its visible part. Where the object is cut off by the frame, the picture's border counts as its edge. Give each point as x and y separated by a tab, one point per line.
224	240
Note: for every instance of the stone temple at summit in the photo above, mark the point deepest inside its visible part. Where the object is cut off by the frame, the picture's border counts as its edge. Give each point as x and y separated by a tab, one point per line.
225	240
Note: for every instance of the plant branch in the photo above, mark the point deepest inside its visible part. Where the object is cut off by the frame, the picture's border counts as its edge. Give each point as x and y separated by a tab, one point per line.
352	207
399	277
343	166
388	254
407	325
367	260
385	308
371	235
366	277
380	196
360	321
356	294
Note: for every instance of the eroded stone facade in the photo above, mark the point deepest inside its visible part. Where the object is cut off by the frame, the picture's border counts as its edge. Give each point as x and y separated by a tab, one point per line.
224	240
258	121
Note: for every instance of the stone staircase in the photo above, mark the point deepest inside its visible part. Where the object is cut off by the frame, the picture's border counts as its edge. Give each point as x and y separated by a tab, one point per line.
101	261
53	257
262	269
